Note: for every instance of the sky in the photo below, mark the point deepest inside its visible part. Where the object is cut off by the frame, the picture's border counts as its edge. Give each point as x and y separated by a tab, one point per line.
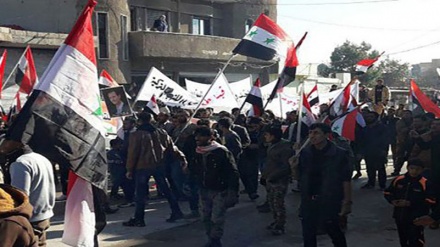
390	26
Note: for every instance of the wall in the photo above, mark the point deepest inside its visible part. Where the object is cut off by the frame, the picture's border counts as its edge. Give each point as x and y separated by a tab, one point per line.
55	16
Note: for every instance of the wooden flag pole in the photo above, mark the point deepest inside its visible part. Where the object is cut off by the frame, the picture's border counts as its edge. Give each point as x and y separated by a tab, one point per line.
298	124
204	96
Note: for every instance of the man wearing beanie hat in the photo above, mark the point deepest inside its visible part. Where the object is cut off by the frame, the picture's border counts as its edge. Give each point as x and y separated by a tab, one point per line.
15	211
412	196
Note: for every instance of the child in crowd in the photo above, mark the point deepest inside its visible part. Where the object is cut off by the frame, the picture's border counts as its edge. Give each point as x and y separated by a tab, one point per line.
412	196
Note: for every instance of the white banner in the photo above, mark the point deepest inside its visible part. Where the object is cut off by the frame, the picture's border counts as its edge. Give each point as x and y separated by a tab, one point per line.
165	90
220	95
240	89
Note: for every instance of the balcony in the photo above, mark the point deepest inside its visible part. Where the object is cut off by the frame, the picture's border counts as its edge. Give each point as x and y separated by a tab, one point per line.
145	44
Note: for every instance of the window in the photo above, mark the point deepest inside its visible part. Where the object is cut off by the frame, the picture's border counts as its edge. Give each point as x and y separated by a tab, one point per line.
124	37
133	19
201	26
103	47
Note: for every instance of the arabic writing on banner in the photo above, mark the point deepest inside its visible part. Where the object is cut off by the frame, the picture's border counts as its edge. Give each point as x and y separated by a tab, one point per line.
165	90
240	89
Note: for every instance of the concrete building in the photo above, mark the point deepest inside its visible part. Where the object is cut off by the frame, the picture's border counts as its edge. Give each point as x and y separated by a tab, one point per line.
201	35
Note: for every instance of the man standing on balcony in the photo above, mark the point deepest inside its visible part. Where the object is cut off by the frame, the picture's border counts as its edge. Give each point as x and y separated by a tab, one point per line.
160	24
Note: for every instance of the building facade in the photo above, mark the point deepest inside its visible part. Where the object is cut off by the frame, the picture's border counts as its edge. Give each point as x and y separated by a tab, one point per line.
198	41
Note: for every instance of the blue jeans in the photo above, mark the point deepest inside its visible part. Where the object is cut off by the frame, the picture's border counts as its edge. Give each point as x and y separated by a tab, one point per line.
117	173
175	177
142	177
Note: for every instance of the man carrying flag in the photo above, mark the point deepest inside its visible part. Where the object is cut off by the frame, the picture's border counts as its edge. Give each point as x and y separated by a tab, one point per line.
380	96
62	121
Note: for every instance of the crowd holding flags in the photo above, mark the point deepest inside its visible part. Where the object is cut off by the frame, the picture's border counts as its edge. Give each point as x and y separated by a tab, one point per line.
67	102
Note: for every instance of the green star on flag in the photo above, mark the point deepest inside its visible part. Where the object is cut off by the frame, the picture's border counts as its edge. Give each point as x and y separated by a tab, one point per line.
253	33
336	128
269	40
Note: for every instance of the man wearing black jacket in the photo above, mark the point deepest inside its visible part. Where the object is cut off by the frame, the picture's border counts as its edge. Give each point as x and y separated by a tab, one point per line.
325	177
214	168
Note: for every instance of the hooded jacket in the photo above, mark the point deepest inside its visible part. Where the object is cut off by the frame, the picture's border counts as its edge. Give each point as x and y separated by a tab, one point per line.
15	212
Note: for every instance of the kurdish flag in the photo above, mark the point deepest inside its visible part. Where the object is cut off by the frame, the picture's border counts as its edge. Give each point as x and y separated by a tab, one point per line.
265	40
62	121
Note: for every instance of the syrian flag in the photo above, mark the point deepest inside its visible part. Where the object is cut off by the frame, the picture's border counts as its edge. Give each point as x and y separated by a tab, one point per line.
106	79
265	40
313	96
341	103
26	75
255	99
289	71
2	69
62	120
288	74
363	65
152	105
346	125
307	116
421	100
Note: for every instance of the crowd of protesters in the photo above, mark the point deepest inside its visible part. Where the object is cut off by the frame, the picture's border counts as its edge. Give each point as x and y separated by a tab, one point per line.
205	161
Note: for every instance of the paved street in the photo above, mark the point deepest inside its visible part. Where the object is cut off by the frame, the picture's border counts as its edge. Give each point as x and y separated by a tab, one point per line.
370	224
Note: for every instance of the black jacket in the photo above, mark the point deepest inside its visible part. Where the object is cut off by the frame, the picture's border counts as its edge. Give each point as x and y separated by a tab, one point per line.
322	174
417	190
215	170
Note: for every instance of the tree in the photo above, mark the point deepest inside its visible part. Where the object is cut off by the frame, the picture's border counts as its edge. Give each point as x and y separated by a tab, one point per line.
394	73
324	70
345	57
425	78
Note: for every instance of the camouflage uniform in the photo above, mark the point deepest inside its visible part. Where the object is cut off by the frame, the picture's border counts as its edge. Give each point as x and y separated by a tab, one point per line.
217	175
213	205
276	191
277	175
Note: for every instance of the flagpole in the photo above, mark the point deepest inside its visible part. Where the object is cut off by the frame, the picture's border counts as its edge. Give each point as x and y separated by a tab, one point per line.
209	89
212	84
14	69
410	99
298	125
281	105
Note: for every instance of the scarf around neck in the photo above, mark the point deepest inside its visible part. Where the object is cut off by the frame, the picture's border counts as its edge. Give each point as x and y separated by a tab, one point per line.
205	149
